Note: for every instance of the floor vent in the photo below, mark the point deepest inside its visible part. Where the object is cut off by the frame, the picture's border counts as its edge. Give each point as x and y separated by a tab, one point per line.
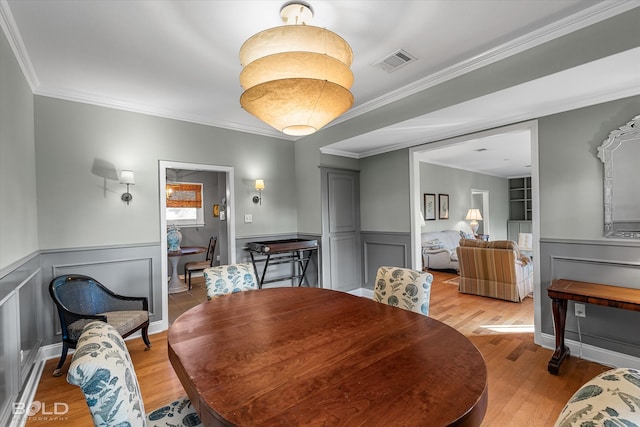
396	60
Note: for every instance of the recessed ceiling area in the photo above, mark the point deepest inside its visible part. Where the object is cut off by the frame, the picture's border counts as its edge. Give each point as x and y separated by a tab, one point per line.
505	155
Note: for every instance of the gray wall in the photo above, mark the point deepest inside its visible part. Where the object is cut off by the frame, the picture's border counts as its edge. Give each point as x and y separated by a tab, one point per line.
384	192
571	222
18	204
20	280
458	184
77	145
571	174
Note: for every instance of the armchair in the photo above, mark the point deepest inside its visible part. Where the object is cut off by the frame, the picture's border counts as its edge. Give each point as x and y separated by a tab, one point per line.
494	269
82	299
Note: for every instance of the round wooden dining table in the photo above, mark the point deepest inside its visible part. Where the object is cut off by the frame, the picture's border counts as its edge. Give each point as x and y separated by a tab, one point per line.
310	356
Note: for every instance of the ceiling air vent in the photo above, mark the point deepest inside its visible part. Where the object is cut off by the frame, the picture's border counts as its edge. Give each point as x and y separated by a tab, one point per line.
396	60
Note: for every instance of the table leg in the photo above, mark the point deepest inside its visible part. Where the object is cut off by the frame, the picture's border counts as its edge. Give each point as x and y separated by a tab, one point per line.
559	307
305	264
175	284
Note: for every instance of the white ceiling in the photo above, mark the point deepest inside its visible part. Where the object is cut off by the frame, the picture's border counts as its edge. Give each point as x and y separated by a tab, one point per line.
179	59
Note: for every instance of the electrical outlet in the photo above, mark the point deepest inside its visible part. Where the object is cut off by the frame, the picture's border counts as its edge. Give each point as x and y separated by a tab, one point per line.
248	218
580	310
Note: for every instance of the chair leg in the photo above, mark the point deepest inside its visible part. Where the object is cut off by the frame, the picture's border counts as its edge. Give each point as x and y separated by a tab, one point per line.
58	372
145	337
189	279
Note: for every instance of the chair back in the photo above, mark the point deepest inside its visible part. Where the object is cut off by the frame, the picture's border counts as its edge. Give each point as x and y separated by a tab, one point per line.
404	288
228	279
211	250
102	368
79	294
525	241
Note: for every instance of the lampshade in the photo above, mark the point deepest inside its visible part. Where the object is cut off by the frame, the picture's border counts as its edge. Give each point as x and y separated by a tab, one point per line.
474	214
296	77
126	177
259	184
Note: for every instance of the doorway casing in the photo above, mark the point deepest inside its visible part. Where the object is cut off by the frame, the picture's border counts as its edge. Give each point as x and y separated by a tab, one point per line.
231	227
415	200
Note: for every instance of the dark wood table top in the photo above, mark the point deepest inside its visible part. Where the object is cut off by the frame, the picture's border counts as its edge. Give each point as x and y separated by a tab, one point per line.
287	245
187	250
309	356
595	293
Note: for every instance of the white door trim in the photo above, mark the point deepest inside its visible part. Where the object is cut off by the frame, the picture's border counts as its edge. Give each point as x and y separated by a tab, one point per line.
231	226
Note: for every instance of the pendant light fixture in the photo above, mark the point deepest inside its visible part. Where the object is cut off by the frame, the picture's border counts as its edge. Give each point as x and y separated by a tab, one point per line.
296	77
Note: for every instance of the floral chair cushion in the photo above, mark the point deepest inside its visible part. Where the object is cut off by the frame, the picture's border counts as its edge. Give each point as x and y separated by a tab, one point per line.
404	288
179	413
228	279
609	399
102	368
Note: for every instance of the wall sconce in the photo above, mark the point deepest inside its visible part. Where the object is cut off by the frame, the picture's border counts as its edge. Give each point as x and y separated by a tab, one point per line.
126	177
259	187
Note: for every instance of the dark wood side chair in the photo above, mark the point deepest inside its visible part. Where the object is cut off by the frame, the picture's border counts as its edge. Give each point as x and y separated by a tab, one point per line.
197	266
82	299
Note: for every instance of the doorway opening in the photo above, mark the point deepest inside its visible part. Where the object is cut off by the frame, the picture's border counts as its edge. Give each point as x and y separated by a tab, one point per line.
528	129
223	197
480	201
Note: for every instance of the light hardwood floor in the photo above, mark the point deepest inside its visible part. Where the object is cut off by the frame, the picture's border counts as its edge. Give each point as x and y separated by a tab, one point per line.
521	391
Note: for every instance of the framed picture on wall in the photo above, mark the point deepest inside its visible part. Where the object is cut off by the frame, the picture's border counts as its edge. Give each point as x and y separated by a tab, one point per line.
443	206
429	207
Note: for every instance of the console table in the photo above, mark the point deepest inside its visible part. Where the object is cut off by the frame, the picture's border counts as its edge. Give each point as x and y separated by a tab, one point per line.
290	251
562	290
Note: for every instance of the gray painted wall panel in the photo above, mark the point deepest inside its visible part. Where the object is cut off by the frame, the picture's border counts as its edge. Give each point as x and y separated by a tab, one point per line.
384	249
20	329
132	271
613	263
345	272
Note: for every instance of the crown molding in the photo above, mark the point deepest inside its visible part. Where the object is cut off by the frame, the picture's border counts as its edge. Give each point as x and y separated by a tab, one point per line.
10	29
86	98
577	21
341	153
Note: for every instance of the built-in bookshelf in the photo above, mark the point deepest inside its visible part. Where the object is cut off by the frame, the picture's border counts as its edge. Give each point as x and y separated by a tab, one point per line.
520	206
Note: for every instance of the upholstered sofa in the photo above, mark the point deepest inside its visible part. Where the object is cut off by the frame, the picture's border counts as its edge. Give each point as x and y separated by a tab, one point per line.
439	249
494	269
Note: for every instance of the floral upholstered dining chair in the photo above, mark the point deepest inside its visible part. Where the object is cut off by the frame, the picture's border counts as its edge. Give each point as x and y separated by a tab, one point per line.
229	279
403	287
102	368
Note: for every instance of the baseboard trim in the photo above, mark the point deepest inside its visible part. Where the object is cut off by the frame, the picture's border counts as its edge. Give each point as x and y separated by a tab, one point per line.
53	351
592	353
